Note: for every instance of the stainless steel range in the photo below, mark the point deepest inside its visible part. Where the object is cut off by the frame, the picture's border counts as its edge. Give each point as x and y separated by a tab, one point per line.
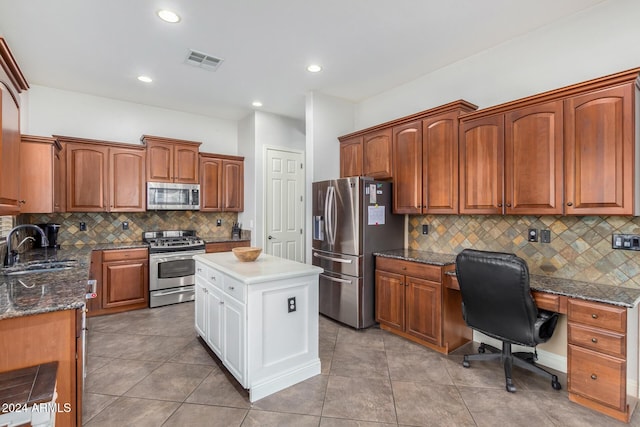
171	265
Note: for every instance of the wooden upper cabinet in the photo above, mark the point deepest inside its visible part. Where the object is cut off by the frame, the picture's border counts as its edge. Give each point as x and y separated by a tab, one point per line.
221	183
87	177
39	173
600	144
482	165
377	154
171	160
440	164
533	160
351	157
12	83
127	180
407	164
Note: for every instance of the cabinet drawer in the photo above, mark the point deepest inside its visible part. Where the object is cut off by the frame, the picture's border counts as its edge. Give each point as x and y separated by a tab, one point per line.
598	340
202	271
598	315
547	301
598	377
215	277
414	269
234	288
124	254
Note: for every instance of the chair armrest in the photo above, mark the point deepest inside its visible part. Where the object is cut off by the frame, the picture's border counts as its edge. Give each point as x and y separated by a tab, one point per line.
545	325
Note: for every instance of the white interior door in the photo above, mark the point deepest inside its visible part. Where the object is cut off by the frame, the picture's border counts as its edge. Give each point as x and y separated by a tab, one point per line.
284	204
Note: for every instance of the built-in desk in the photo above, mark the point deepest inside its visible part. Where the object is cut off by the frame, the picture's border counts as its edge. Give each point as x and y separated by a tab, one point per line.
602	331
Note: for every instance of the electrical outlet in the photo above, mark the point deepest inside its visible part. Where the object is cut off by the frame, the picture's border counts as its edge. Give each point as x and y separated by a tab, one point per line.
218	222
125	225
425	228
532	235
83	226
291	304
545	236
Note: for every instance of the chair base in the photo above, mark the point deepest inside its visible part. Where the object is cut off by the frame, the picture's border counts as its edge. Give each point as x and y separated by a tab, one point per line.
508	359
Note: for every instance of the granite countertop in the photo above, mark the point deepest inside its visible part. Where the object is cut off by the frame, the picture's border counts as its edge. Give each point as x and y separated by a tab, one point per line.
589	291
37	293
264	269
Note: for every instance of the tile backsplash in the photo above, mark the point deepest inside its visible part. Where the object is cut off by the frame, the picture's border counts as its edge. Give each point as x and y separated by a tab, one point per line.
103	227
580	247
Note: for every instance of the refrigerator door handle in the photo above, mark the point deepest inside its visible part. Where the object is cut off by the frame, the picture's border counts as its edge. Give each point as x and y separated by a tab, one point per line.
330	214
333	279
328	258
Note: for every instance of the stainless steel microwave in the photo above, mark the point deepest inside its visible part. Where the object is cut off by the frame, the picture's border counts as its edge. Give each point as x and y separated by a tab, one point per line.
172	196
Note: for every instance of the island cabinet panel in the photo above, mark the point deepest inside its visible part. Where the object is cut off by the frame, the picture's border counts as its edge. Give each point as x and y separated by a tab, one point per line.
412	301
351	154
377	152
534	160
260	319
482	165
171	160
599	152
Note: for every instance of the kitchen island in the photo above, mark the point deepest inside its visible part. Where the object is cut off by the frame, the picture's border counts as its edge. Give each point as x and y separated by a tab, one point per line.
260	318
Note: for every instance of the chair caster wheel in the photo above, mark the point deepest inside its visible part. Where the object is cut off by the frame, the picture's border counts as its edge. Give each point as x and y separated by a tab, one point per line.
555	383
511	388
481	349
465	363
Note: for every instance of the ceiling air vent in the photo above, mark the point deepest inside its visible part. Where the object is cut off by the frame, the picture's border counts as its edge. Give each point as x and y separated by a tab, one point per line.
203	60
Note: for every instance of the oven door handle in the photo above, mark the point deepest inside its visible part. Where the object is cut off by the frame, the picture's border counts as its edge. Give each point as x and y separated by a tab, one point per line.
179	291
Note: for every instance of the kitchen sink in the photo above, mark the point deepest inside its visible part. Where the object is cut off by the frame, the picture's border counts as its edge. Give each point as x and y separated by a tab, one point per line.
46	266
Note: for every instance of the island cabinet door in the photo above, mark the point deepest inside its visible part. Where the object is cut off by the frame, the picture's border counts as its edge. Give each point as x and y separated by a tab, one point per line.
233	314
201	309
214	328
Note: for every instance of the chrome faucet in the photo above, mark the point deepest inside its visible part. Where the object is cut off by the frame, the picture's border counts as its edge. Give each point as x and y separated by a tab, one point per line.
12	255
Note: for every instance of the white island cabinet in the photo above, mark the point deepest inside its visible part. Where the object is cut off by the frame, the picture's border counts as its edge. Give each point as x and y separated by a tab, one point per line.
260	318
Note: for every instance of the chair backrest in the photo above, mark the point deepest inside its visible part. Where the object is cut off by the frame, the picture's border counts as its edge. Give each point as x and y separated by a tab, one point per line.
496	297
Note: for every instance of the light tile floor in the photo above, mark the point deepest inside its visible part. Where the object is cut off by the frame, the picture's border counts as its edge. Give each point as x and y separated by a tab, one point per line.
147	368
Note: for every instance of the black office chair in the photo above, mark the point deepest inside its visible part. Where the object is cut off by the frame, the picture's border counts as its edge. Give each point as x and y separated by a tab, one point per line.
496	301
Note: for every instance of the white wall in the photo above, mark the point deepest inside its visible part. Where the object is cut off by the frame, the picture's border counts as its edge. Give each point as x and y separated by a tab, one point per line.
256	132
600	41
58	112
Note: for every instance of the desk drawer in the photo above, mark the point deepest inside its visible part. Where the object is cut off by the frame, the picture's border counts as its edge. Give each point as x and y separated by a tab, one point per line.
597	339
547	301
409	268
598	315
597	377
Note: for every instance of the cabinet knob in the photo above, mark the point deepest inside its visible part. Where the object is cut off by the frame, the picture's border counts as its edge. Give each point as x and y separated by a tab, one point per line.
569	204
594	316
221	303
404	268
199	270
594	377
499	205
508	205
22	202
594	340
231	288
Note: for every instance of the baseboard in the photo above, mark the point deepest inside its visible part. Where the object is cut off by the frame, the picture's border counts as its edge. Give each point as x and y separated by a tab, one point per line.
280	382
545	358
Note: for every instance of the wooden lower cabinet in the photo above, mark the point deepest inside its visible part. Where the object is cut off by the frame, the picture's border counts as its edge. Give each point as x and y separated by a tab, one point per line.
411	301
55	336
226	246
123	280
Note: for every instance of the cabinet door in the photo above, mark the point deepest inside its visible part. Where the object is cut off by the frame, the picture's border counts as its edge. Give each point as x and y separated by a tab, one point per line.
9	153
215	321
87	178
201	310
125	284
599	152
423	309
233	185
233	338
159	162
481	165
440	164
60	179
127	180
185	166
407	164
210	184
36	176
377	154
533	160
390	298
351	157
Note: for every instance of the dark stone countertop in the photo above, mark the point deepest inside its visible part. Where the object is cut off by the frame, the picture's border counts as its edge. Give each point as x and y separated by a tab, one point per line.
588	291
37	293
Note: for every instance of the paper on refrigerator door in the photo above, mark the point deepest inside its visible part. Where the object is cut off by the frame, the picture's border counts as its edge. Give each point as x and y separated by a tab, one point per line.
376	215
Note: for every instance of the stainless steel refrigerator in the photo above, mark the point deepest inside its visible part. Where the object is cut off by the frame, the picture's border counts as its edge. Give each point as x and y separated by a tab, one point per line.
352	219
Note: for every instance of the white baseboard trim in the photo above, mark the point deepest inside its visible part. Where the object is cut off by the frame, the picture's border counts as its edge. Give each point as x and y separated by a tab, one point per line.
545	358
272	385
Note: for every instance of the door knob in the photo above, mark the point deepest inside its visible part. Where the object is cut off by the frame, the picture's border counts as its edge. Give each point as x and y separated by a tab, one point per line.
270	237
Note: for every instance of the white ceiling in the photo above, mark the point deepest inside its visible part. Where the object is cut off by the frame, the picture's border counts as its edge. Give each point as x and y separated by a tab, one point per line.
365	46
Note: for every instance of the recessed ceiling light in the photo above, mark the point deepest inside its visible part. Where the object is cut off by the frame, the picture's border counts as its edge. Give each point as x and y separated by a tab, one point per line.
145	79
314	68
256	104
168	16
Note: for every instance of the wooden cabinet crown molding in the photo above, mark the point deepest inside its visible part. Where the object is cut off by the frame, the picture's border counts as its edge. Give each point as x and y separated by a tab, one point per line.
74	140
563	92
151	138
10	67
41	140
460	104
221	156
